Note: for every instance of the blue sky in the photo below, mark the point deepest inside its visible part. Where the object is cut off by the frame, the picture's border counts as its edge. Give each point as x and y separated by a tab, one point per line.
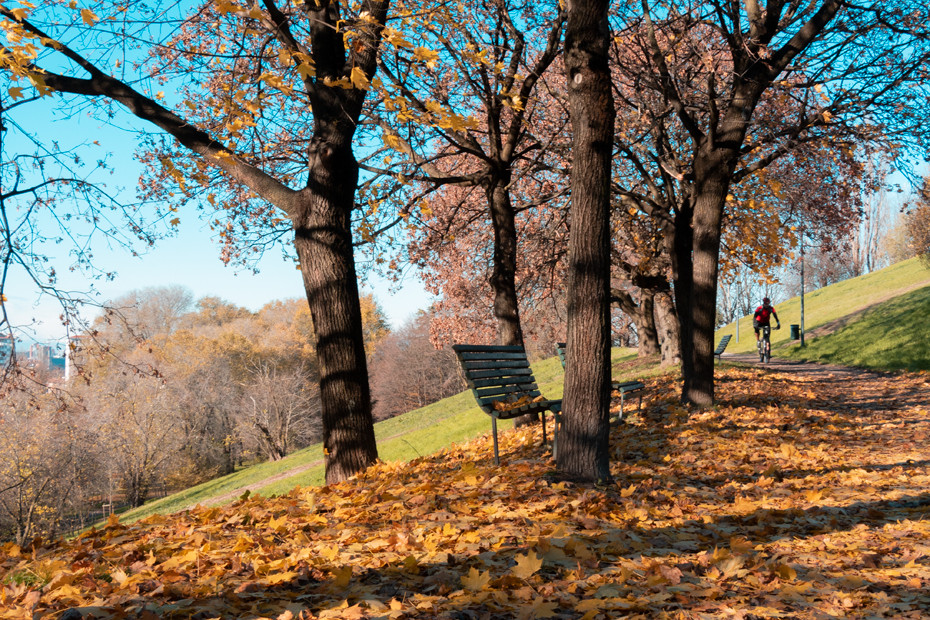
190	259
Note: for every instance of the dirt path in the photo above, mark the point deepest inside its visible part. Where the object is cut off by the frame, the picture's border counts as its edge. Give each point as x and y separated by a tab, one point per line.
810	370
857	387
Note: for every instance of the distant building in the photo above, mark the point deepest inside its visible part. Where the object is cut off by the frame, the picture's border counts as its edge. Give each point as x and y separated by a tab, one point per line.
74	356
7	349
41	356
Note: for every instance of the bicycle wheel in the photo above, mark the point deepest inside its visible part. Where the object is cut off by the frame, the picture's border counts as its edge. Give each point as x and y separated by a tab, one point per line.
768	352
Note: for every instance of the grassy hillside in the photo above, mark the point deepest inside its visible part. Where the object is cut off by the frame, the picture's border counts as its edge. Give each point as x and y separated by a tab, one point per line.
891	335
457	419
825	307
408	436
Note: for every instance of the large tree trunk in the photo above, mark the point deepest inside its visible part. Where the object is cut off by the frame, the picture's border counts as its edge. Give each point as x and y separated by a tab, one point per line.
583	449
667	328
682	273
504	272
712	176
323	239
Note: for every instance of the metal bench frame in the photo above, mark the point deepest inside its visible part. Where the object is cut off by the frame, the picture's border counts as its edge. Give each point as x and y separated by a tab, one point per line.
631	388
500	373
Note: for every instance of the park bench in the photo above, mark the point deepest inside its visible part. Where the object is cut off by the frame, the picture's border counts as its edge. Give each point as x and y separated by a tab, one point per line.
503	384
721	346
625	388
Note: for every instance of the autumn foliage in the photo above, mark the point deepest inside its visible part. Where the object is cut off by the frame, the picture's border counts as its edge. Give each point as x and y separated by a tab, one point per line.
800	496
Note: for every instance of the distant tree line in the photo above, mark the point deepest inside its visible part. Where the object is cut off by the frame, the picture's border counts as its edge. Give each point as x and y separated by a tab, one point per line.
171	392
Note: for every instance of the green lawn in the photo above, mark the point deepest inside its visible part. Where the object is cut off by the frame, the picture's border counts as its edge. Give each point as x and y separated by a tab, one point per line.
831	303
892	335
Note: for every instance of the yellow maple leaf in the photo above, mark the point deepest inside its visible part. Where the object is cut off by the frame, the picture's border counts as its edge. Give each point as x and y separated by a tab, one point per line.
280	577
527	565
306	70
539	609
342	577
475	580
359	79
15	92
89	17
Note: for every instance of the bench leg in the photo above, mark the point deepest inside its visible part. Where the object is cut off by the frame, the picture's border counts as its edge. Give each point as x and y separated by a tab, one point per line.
497	458
543	415
555	436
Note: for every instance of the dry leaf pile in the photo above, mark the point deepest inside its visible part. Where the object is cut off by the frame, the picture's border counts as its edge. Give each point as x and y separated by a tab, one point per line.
795	498
510	404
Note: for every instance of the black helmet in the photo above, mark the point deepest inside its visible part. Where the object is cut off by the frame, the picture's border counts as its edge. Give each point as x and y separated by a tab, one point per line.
765	300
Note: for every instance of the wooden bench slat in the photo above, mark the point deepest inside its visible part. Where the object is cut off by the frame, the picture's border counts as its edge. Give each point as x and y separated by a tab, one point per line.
482	365
471	348
525	380
492	356
543	405
505	390
629	386
501	372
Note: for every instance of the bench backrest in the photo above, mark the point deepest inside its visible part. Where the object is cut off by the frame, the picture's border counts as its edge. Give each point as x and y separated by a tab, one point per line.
496	373
723	344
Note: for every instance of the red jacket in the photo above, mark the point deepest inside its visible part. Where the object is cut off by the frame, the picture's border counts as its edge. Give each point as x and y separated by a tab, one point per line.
762	315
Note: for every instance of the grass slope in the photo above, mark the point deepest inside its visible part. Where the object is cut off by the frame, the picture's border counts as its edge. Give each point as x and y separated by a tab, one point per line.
405	437
891	335
831	304
457	419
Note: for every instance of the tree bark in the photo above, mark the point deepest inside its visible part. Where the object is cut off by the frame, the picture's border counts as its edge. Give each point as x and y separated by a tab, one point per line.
712	175
323	238
583	450
667	328
504	273
643	317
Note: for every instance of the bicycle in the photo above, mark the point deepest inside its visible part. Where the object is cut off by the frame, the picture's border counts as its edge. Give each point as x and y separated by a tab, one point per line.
765	344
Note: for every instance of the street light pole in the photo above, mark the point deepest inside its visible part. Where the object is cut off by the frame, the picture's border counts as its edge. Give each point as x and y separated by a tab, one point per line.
802	288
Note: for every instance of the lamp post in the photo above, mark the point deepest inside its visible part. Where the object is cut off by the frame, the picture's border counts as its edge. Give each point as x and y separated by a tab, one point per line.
802	288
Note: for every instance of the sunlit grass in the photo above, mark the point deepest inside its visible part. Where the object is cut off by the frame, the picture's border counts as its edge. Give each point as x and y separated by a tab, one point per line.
892	335
831	303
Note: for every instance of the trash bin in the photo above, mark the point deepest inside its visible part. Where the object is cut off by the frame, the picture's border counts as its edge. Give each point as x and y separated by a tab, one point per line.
795	332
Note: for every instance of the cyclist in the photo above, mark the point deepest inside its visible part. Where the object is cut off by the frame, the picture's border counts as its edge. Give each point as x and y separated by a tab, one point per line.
762	316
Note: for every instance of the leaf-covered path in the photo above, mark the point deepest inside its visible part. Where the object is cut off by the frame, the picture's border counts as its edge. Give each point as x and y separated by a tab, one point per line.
797	497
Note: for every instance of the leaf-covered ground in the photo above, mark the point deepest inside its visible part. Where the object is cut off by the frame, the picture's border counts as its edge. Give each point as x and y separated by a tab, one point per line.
800	496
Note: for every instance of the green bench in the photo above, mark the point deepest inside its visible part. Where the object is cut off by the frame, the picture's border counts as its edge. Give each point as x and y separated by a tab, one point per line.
722	346
503	384
626	388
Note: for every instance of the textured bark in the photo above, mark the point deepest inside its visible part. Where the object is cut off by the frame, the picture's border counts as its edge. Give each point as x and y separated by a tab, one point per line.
712	180
643	317
667	328
504	273
583	450
323	238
